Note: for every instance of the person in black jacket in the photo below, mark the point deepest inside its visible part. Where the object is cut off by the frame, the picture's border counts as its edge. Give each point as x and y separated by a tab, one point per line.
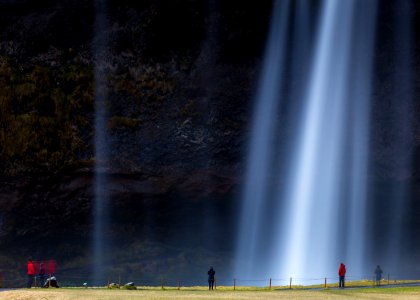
211	274
378	273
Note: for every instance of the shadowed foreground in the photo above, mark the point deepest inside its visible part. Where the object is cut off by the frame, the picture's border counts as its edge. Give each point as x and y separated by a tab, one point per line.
70	294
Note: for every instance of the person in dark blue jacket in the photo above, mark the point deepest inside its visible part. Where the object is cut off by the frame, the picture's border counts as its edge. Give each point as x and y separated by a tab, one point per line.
211	274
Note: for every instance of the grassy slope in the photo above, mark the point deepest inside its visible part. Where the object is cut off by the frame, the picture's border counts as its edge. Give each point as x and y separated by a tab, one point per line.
201	293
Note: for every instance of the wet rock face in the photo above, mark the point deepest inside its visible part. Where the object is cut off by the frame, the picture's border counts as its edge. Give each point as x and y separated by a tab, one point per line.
176	93
180	75
40	208
154	218
45	204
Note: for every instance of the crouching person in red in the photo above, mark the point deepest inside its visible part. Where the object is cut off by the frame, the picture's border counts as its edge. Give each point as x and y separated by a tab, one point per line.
342	274
31	273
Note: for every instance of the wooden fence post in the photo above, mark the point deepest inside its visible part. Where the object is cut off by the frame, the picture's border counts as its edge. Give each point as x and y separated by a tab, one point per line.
325	283
270	285
234	284
290	284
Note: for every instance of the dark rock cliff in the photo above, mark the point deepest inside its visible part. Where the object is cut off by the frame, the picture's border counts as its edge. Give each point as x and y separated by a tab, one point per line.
181	75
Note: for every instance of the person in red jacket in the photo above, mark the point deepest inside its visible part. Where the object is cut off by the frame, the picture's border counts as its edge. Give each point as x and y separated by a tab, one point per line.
31	273
342	274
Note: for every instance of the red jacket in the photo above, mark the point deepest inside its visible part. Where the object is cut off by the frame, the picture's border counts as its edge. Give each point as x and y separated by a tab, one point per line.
51	266
31	268
342	270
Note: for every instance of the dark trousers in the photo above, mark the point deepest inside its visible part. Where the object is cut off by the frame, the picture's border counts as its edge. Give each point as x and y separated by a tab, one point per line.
341	282
30	281
211	284
41	279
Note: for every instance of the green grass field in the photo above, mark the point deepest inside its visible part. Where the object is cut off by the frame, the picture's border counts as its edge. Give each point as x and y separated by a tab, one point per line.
394	293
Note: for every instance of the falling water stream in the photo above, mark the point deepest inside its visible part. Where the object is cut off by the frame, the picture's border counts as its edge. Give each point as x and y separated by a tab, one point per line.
325	180
101	150
255	190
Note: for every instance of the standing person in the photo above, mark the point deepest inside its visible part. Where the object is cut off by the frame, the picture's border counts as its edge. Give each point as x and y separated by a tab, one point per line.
1	280
51	268
42	275
31	273
211	274
341	274
378	273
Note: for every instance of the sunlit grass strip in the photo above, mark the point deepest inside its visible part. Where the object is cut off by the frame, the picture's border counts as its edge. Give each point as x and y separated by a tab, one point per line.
352	284
201	292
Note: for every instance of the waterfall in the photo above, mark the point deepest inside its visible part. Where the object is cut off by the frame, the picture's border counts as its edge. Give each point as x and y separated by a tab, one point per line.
101	148
259	156
314	218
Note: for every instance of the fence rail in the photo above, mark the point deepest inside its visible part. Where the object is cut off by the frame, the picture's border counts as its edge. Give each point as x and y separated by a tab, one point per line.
77	280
